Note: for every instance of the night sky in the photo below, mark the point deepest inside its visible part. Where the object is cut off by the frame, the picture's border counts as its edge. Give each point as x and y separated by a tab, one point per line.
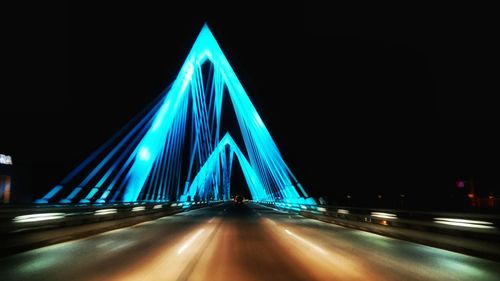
360	100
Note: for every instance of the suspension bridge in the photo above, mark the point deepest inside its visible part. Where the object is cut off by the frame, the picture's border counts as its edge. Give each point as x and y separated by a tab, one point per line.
153	203
143	162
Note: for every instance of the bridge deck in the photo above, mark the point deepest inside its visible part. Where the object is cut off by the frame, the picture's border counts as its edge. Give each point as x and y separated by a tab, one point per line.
242	242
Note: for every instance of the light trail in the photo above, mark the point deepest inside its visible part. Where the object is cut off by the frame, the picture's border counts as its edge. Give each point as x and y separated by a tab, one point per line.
190	241
305	242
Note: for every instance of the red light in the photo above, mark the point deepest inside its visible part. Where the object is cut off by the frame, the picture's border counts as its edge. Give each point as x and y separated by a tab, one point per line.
470	195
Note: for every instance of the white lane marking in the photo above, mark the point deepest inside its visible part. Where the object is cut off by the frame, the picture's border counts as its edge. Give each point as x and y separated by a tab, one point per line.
211	220
308	243
190	241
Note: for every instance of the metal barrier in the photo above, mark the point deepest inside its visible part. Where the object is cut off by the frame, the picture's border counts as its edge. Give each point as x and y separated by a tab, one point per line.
18	218
27	227
474	234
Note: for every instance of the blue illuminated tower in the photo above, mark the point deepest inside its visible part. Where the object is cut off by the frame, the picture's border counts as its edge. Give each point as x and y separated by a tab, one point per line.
144	162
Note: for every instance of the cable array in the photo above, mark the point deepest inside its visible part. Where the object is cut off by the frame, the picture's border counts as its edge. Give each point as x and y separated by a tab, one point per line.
173	150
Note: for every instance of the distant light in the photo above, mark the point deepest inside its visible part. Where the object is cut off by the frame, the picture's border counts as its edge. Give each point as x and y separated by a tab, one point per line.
38	217
157	206
348	196
144	154
5	159
470	195
343	211
460	184
464	223
137	209
384	215
105	212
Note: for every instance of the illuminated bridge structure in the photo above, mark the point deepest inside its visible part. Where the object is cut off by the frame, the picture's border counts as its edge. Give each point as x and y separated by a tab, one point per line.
176	150
146	205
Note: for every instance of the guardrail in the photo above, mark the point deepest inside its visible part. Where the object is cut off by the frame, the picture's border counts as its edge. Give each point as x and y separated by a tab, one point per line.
18	218
474	234
27	227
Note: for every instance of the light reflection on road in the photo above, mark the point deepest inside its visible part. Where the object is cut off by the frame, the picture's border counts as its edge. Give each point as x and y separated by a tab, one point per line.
248	242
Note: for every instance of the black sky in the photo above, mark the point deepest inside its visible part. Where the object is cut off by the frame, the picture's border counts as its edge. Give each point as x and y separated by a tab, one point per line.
358	99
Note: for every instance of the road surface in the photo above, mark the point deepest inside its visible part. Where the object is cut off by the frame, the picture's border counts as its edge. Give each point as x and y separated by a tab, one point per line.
242	242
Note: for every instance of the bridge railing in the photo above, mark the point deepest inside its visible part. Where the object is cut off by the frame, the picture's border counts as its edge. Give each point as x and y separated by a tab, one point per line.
15	219
470	233
27	227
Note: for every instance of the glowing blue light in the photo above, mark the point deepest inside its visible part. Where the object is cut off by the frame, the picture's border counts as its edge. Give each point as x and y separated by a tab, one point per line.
144	154
147	163
258	121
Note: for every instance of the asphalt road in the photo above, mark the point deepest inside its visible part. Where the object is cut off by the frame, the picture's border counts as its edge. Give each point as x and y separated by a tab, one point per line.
249	242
